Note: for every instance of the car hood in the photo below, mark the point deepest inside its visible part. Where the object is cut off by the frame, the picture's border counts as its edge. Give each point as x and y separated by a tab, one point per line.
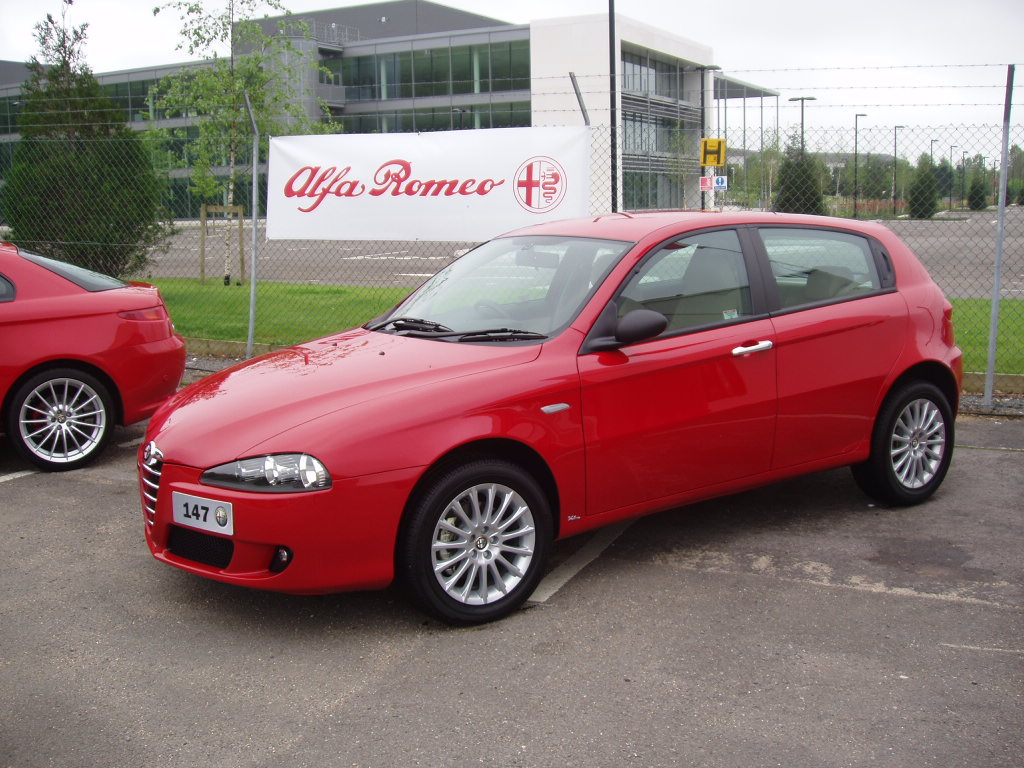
229	414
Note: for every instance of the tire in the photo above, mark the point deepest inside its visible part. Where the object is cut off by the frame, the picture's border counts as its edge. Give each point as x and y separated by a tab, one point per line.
60	419
911	446
475	543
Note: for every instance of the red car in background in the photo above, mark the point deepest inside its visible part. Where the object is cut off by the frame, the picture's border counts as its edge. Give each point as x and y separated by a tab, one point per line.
79	353
550	381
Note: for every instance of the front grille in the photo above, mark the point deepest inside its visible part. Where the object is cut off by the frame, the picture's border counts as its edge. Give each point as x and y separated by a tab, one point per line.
200	547
149	485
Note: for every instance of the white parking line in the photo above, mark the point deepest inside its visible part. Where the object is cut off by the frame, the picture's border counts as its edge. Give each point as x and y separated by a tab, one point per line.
16	475
586	554
978	648
131	443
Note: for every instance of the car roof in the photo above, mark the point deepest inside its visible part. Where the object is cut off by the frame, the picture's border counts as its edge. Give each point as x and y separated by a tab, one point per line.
635	226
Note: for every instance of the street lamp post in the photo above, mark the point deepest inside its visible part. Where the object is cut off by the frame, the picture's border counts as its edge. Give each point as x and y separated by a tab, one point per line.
856	118
951	175
963	177
895	162
802	99
931	151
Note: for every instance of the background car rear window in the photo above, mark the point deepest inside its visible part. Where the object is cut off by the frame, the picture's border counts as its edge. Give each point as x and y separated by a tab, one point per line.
83	278
6	289
697	280
811	265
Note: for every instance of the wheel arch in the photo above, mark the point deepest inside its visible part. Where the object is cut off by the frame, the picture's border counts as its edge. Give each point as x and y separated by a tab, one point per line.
78	365
511	451
933	373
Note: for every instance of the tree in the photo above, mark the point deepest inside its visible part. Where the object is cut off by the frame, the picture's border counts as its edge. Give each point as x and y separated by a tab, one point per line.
264	67
977	199
800	183
923	197
82	187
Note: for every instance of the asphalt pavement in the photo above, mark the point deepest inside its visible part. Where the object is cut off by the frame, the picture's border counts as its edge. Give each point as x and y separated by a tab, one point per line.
798	625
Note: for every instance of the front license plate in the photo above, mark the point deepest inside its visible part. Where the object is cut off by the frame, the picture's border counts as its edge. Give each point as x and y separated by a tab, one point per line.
205	514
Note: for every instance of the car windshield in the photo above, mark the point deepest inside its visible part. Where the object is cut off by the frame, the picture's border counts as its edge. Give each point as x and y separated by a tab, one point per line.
509	289
80	276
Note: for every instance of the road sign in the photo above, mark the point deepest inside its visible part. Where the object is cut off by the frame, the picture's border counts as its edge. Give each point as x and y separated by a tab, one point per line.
712	152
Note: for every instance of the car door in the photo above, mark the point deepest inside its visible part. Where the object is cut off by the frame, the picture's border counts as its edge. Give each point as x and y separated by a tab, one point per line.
839	326
694	407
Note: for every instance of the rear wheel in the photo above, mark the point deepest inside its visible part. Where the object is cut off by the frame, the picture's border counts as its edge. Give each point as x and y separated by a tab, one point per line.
60	419
911	447
476	541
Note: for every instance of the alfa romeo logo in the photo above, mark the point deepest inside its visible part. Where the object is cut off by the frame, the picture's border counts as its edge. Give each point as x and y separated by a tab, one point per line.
540	184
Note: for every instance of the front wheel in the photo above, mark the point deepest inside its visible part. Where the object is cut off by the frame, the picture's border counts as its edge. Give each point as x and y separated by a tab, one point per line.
911	447
476	541
60	419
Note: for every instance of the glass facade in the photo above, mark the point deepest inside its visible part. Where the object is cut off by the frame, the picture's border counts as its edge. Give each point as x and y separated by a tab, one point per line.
443	71
661	129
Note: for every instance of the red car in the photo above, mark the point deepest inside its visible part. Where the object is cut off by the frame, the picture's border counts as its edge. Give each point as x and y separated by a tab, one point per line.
553	380
81	352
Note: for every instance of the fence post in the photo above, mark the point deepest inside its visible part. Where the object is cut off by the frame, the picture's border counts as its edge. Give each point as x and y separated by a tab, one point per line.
997	280
255	207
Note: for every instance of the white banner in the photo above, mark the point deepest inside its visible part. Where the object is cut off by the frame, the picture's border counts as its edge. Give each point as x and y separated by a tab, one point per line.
451	185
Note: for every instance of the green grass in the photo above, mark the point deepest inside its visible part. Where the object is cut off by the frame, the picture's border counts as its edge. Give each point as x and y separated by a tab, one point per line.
286	313
971	318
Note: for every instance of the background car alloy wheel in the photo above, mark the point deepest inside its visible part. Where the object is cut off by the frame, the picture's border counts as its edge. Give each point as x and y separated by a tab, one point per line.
60	419
911	447
476	542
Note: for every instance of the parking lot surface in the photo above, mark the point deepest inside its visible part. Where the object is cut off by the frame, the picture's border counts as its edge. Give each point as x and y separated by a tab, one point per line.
798	625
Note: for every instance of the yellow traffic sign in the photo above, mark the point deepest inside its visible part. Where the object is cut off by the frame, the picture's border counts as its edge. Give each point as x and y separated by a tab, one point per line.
712	152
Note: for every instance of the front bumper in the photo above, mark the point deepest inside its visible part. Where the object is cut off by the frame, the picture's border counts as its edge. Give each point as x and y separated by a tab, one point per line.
339	539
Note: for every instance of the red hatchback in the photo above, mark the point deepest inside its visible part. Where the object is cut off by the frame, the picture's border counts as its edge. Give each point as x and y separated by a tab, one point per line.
553	380
81	352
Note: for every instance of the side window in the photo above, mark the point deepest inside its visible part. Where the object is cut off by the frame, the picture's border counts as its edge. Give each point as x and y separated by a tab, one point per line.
6	289
696	280
813	265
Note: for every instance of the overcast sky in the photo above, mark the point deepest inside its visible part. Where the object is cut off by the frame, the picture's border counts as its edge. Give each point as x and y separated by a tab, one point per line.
884	58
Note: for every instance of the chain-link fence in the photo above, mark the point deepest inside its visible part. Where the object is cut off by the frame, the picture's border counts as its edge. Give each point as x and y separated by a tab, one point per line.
936	187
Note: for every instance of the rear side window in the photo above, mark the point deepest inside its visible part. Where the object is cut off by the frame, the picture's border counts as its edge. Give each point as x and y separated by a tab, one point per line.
810	266
83	278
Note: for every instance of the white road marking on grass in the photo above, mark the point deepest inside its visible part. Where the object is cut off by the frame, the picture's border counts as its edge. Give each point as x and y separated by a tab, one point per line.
586	554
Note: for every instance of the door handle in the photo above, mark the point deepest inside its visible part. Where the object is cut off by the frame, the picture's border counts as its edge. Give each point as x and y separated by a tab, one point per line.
760	346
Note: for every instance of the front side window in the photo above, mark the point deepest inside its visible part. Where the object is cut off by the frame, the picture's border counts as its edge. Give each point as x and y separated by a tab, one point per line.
812	265
696	280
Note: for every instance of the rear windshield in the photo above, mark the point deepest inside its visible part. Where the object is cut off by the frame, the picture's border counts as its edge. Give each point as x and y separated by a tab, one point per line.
80	276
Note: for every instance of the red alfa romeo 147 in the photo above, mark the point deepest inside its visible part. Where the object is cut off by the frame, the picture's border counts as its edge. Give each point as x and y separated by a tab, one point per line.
553	380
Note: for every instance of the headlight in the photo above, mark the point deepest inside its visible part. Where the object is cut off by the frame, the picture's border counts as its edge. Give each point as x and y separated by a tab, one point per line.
279	473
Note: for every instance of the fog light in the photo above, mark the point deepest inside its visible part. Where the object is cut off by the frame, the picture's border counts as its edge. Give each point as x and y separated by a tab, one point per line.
282	559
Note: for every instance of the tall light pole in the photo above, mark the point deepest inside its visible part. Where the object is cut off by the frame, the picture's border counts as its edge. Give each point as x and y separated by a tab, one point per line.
931	151
951	175
802	99
856	119
895	162
963	176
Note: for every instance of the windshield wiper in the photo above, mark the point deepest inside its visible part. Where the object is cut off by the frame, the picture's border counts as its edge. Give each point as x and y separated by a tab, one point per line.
499	334
410	324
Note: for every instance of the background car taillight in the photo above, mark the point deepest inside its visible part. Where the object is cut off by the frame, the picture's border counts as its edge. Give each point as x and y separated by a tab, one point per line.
150	314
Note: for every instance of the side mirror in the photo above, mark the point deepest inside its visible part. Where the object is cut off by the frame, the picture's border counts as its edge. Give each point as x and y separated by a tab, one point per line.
640	325
611	333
